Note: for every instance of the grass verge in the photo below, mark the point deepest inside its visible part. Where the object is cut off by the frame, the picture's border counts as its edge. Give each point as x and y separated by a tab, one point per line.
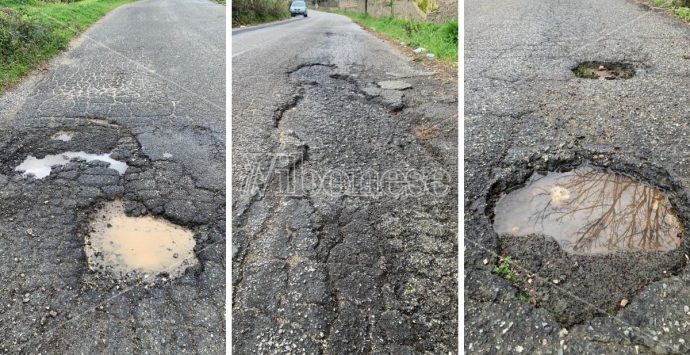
33	31
683	12
439	39
680	8
249	12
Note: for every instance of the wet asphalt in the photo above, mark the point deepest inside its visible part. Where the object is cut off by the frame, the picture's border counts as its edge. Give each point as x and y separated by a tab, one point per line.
525	111
147	85
323	263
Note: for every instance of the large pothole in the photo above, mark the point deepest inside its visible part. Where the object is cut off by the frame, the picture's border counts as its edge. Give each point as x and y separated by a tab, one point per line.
137	248
586	237
591	211
604	70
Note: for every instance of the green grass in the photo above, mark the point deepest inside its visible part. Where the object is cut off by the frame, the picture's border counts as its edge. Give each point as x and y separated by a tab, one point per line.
504	270
247	12
584	71
679	7
33	31
524	297
439	39
670	3
683	12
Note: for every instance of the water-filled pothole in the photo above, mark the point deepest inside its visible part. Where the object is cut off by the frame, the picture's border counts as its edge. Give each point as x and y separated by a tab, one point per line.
591	211
132	247
40	168
604	70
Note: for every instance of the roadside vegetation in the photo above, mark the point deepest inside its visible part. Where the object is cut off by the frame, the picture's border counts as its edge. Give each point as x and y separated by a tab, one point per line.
679	7
505	270
33	31
586	72
247	12
439	39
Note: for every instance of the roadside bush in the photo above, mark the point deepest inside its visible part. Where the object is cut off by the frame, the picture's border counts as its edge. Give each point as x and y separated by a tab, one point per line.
684	13
410	27
32	31
427	6
450	31
20	40
256	11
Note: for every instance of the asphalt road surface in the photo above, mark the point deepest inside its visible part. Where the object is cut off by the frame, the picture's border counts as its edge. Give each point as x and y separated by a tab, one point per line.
526	111
333	252
146	84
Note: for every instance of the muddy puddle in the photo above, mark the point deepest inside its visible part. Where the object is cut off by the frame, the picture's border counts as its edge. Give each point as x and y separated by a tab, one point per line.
40	168
127	247
591	211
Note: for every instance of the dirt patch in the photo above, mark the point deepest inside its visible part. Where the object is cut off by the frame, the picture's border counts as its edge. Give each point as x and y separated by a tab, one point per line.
426	132
604	70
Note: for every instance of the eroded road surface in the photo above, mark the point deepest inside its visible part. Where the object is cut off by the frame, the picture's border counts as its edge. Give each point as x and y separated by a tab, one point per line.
592	96
137	109
344	194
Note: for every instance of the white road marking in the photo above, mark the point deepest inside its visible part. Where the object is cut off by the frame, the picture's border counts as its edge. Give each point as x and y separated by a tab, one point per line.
244	51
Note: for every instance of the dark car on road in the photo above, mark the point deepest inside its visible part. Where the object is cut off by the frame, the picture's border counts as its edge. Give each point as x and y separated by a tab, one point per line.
298	7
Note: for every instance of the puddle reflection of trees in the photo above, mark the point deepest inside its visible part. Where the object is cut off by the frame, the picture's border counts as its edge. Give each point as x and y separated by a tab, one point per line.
615	213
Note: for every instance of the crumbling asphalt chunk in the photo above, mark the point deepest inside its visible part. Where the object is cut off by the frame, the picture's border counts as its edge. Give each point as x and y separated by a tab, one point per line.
388	93
337	271
291	151
309	65
394	85
290	104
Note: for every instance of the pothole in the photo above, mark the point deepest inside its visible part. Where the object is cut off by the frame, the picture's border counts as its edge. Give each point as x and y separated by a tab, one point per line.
604	70
591	211
137	247
40	168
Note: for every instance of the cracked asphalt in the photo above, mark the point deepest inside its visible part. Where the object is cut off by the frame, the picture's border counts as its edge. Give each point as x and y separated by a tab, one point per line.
326	260
525	111
145	84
